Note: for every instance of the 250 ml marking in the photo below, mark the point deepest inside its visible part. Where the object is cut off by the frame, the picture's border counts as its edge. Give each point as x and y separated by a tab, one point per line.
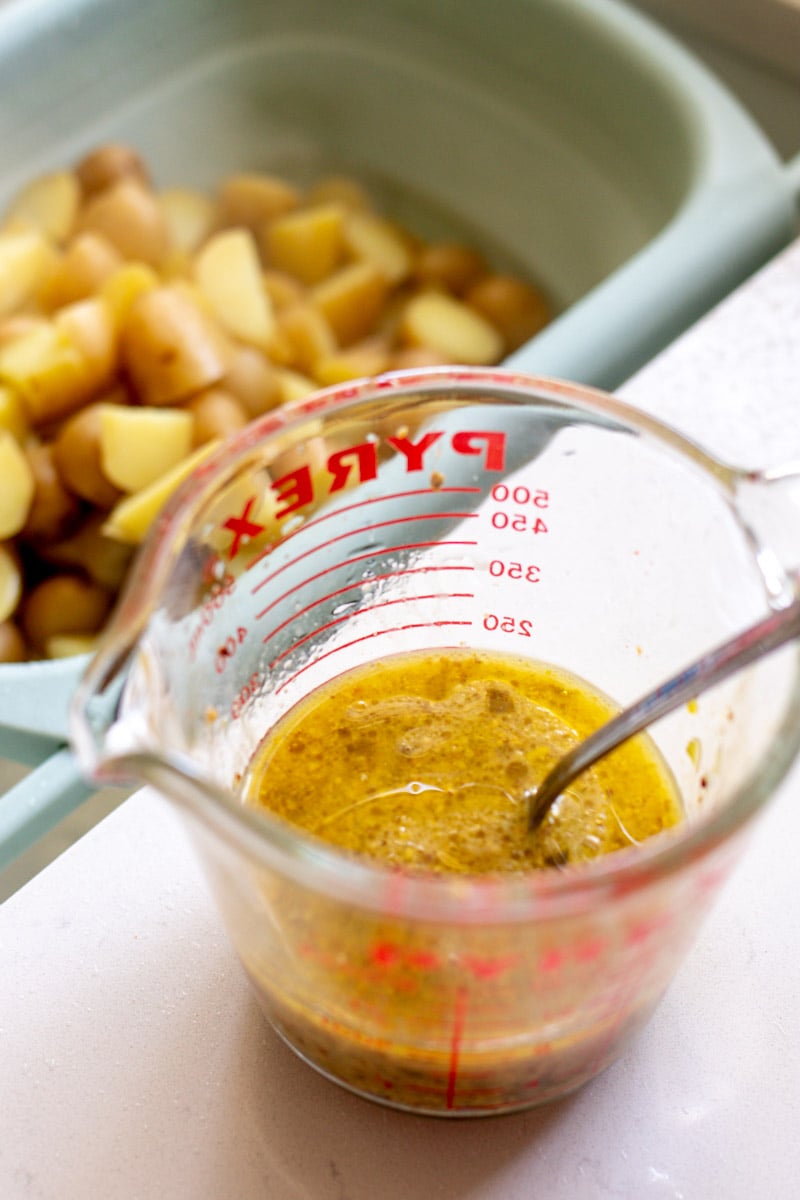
519	625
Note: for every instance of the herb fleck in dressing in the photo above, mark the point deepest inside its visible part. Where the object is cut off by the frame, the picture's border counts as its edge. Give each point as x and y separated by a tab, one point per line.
421	761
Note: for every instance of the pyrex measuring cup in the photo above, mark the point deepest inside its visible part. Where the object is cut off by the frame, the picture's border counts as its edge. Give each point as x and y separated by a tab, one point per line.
450	508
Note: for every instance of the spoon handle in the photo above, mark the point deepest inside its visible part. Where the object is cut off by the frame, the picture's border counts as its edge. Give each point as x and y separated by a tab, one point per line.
740	651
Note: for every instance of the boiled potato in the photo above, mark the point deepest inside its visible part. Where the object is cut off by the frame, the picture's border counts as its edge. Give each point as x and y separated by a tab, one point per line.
17	486
377	241
130	520
101	558
252	200
12	414
352	300
76	454
107	165
443	323
12	644
84	267
216	414
189	216
140	326
25	258
10	584
47	371
49	203
169	346
127	215
63	604
229	273
138	445
308	244
54	509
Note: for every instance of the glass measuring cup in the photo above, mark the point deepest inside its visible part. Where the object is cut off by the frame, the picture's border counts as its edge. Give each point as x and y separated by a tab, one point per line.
450	508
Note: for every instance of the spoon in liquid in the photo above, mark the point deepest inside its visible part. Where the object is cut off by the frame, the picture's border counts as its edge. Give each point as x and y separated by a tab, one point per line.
731	656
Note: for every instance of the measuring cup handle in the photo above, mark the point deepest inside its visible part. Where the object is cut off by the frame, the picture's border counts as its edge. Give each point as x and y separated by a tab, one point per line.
768	504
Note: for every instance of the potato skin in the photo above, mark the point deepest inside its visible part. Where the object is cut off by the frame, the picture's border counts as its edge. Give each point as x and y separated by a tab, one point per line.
63	604
170	348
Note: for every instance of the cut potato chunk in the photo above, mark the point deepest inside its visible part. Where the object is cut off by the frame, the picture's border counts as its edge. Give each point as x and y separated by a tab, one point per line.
253	199
107	165
442	323
130	520
127	214
48	372
54	510
190	218
63	604
518	310
357	362
376	240
294	385
101	558
228	271
12	644
448	265
25	258
18	486
138	445
122	289
10	583
89	326
87	263
251	378
308	334
216	414
49	203
170	346
12	414
308	244
65	645
76	454
352	300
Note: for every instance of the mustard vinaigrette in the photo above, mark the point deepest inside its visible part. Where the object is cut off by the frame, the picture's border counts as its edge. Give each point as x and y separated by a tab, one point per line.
421	761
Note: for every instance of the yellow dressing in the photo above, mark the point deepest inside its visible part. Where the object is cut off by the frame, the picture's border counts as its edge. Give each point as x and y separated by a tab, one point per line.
421	761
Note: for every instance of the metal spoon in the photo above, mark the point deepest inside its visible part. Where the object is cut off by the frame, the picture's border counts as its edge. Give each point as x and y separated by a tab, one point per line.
712	668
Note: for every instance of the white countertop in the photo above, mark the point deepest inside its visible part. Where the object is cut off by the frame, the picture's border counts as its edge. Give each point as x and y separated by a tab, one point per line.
137	1064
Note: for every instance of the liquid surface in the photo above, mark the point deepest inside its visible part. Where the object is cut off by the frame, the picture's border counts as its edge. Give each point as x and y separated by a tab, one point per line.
421	761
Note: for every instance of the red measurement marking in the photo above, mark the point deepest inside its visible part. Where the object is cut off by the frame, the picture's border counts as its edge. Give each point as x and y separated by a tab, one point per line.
386	954
489	968
370	608
551	960
358	533
242	527
589	950
345	508
459	1018
351	587
642	930
365	638
349	562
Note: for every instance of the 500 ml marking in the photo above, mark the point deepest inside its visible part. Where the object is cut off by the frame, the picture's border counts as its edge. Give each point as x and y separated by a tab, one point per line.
522	496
